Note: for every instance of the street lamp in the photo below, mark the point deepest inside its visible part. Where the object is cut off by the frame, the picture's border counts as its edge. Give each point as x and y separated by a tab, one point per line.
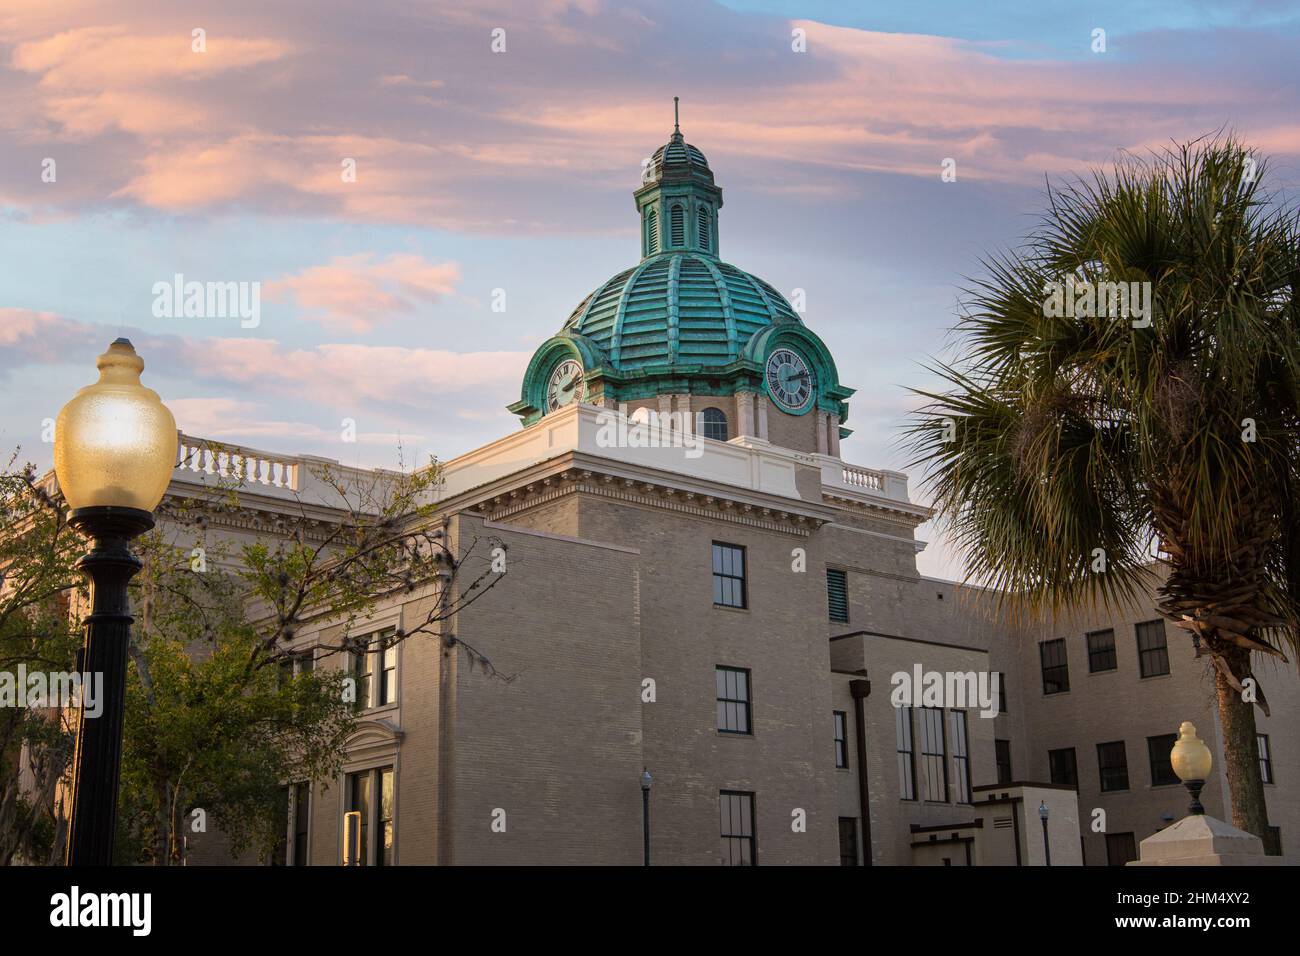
645	811
114	451
1191	760
1042	815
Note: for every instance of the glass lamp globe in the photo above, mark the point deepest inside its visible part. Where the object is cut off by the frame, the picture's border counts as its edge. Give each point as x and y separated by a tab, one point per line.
1191	758
115	442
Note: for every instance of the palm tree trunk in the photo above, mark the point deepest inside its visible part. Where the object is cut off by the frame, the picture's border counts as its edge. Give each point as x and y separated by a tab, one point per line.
1240	749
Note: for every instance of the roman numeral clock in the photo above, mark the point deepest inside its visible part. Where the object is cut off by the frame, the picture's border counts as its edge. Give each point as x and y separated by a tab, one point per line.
790	380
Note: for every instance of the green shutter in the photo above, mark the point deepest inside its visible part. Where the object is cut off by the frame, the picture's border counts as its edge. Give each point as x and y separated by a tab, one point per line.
837	595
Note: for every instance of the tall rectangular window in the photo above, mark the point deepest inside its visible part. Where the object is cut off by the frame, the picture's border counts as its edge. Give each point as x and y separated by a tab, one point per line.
1101	651
729	575
301	822
934	758
1056	668
361	672
1153	654
1121	848
1265	758
961	755
1112	766
906	753
841	739
1062	767
370	793
1002	692
1162	770
1002	750
736	819
848	841
837	595
733	700
387	678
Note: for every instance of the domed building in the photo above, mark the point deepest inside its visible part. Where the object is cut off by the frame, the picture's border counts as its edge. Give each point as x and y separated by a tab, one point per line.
683	331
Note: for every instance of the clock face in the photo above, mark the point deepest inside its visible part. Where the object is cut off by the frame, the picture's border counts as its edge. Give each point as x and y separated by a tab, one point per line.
565	385
789	380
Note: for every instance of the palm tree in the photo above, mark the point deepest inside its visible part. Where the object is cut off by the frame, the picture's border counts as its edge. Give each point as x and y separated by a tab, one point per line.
1068	448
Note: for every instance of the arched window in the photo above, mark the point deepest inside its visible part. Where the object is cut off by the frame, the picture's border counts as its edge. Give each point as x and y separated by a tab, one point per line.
703	222
651	232
712	423
678	225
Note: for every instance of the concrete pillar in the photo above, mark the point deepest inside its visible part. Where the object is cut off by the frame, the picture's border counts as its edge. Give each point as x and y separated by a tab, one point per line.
688	416
763	405
822	447
745	414
833	437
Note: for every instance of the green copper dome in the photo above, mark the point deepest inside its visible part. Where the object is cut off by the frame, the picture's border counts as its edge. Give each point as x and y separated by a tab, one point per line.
681	321
678	307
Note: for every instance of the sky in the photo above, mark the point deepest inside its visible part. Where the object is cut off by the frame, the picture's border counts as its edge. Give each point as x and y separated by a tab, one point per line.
496	148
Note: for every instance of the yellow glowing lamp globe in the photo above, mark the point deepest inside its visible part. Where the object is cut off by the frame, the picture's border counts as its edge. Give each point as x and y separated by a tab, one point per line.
1191	758
115	442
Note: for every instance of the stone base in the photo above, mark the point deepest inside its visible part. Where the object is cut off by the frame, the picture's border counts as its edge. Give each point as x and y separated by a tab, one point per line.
1202	840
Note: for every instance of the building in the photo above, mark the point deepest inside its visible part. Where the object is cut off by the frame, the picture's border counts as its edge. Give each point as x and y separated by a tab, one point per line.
701	587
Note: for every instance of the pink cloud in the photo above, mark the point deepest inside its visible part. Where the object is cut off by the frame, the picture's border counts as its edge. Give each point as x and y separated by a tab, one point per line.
356	293
467	139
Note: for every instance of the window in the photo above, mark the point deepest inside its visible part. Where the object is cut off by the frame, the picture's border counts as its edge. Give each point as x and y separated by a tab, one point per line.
1112	764
1273	845
906	753
841	739
376	814
934	766
712	423
652	232
374	669
301	822
733	700
677	221
848	841
1056	669
1265	758
280	852
1002	692
388	673
1062	768
837	595
1153	654
1162	771
361	658
703	223
960	755
736	817
1002	749
729	575
1120	849
1101	651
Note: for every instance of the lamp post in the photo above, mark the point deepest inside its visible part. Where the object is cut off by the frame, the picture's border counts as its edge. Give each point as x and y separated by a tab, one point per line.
1191	760
114	451
1047	845
645	812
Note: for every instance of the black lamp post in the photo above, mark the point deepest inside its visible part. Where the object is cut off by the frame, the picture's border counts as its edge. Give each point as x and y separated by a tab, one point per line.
1047	844
114	451
645	812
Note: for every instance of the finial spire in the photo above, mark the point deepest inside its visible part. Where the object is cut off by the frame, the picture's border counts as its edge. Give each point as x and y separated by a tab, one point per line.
677	127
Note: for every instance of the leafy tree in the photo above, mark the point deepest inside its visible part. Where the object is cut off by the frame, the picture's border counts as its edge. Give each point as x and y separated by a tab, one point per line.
1069	448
